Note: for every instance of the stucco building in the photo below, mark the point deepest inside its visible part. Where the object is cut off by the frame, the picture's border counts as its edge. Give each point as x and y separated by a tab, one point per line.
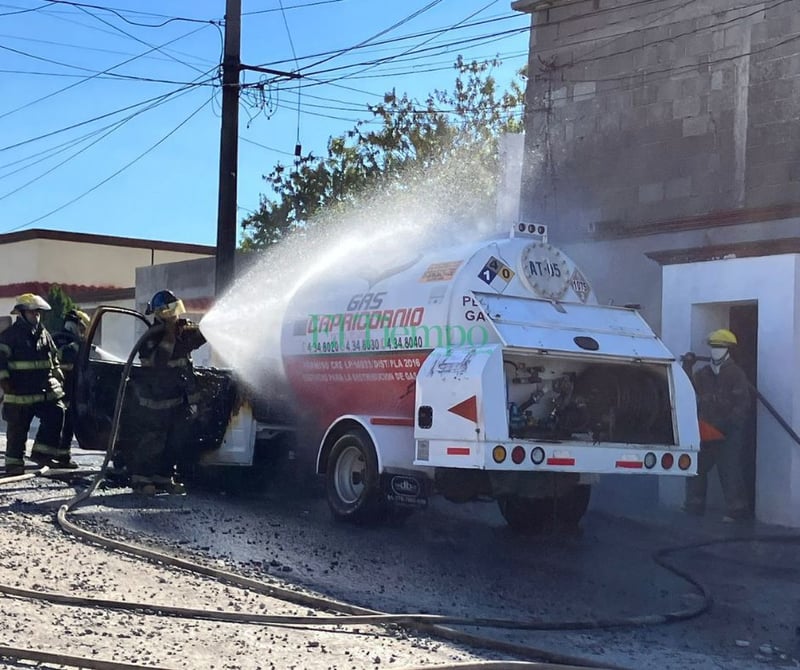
662	147
91	269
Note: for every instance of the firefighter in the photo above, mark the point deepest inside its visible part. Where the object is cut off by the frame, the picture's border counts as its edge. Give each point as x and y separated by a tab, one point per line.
68	340
164	396
32	385
723	405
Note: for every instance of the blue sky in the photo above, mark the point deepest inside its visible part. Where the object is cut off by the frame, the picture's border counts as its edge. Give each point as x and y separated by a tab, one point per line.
71	159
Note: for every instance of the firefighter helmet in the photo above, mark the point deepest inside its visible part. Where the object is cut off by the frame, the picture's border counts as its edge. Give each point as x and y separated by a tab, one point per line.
165	304
30	302
77	316
722	338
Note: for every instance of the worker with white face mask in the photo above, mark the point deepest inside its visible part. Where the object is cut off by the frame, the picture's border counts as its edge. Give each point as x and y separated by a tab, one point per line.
723	405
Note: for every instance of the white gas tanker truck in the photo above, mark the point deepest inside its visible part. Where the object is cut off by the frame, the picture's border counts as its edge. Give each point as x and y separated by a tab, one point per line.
487	370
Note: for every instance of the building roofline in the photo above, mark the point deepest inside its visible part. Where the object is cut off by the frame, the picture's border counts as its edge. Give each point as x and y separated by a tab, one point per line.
715	252
108	240
610	230
78	292
530	6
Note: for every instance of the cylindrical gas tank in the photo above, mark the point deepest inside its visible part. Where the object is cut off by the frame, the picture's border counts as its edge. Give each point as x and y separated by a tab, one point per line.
352	343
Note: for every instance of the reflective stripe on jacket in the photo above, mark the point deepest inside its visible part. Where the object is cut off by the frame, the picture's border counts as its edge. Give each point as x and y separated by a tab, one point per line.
29	364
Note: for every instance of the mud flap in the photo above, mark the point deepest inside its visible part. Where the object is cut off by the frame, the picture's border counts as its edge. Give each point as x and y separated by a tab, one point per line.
405	490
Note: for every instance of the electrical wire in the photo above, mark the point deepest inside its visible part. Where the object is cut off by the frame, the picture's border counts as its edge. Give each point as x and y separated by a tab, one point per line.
72	126
131	36
23	11
103	72
58	14
367	41
114	174
366	65
119	14
300	81
394	40
84	47
303	6
114	127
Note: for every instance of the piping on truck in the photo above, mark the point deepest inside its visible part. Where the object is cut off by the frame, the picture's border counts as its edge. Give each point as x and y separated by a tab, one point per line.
487	370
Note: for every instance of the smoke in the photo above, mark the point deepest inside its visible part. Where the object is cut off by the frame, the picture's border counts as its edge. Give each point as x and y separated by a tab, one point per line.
449	203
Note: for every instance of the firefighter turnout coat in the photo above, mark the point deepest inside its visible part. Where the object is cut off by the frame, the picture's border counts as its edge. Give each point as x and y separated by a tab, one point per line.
29	364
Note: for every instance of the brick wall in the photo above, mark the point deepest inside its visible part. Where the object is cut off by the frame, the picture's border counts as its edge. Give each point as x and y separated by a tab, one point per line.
640	112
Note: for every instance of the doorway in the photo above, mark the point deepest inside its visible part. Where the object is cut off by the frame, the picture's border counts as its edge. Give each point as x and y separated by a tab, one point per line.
743	322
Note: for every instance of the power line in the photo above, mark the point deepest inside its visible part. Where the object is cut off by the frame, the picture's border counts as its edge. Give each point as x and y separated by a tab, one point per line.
457	43
83	47
118	13
127	34
303	6
23	11
264	146
300	82
107	71
110	129
72	126
403	38
114	174
57	13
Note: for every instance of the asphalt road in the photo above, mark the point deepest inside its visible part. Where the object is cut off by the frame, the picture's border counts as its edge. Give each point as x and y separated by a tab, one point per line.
463	560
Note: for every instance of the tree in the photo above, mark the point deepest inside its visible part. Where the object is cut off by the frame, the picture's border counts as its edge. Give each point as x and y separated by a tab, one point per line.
60	304
446	143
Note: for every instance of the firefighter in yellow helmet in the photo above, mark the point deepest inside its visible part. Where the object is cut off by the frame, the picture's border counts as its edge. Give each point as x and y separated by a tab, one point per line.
68	340
165	396
723	405
31	381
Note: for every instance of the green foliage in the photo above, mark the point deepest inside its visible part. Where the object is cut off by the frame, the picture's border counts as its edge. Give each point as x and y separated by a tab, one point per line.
60	304
403	144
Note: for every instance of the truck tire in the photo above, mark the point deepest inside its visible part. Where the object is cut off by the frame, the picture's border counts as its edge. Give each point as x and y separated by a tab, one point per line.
537	515
526	515
351	480
571	507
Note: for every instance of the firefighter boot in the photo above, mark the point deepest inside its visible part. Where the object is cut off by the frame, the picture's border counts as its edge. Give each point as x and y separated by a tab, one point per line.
43	460
65	463
14	470
169	485
143	485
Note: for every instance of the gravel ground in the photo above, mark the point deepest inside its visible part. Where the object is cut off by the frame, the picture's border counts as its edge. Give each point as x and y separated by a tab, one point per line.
459	560
37	555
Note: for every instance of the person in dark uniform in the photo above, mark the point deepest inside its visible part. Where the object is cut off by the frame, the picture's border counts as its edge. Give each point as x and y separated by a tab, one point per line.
164	395
723	405
68	340
31	380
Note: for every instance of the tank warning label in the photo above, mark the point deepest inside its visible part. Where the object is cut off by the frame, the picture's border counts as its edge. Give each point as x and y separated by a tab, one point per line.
440	271
496	274
580	285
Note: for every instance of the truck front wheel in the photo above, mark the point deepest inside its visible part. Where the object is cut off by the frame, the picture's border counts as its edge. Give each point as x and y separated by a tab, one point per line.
352	481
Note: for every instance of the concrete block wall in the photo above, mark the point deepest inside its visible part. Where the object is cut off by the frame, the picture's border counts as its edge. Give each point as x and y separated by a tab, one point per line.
639	113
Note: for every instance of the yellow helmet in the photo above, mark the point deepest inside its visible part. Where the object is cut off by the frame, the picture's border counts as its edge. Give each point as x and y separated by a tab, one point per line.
722	338
30	302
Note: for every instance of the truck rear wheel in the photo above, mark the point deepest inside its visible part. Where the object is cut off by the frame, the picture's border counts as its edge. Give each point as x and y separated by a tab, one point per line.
536	515
352	482
526	515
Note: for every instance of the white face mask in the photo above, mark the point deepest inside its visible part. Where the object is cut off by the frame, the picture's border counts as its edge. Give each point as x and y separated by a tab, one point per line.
718	354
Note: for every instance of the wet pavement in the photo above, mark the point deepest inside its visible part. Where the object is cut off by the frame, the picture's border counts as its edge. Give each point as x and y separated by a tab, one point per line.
463	560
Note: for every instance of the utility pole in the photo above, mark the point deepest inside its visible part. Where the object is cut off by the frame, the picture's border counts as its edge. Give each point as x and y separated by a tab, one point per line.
229	147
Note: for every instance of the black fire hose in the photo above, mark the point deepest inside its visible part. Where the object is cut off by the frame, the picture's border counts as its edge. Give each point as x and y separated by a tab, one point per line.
690	358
